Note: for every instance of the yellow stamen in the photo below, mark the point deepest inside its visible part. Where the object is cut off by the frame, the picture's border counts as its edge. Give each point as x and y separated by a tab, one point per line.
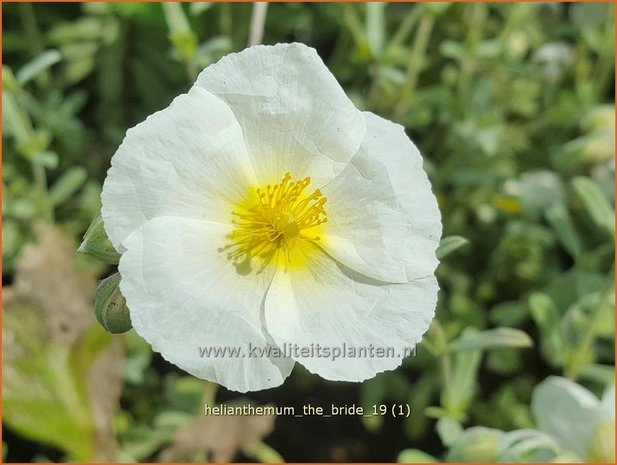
275	223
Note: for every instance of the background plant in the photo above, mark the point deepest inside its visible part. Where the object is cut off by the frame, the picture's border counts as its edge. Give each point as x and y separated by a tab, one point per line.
512	106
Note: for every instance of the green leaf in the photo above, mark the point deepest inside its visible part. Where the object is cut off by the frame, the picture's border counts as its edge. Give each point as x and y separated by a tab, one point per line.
38	141
601	374
9	83
491	339
415	456
180	33
598	208
539	190
450	244
547	318
185	44
435	412
449	430
460	389
69	183
47	159
528	445
35	67
175	18
560	221
477	444
97	244
14	122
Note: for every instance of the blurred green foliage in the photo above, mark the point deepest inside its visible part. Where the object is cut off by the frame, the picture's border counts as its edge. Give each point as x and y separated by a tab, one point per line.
512	106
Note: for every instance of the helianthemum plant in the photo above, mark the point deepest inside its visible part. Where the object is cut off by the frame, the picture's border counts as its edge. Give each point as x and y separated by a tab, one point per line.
263	210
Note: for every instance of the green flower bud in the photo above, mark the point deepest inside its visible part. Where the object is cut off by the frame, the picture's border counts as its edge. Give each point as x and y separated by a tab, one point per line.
97	244
110	306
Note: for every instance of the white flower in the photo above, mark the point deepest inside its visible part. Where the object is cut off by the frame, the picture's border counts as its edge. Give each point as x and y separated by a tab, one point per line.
262	209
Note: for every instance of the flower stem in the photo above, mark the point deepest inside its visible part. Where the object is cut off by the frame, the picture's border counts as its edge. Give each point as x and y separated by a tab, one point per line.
415	64
40	182
606	56
258	22
225	19
28	21
209	393
405	28
468	64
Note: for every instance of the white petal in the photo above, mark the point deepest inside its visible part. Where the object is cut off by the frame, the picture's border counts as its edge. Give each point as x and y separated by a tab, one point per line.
184	295
383	219
294	114
329	305
187	160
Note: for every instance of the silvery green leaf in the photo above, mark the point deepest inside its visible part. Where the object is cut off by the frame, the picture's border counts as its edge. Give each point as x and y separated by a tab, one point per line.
559	218
97	244
450	244
449	430
546	316
598	208
478	444
539	190
35	67
458	394
14	122
600	374
566	411
492	338
67	184
415	456
528	445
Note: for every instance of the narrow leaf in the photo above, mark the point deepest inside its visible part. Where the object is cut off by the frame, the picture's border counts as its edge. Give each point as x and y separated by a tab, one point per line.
492	338
35	67
602	214
450	244
69	183
560	221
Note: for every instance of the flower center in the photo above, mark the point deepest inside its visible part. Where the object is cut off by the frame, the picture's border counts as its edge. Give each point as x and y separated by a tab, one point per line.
276	218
